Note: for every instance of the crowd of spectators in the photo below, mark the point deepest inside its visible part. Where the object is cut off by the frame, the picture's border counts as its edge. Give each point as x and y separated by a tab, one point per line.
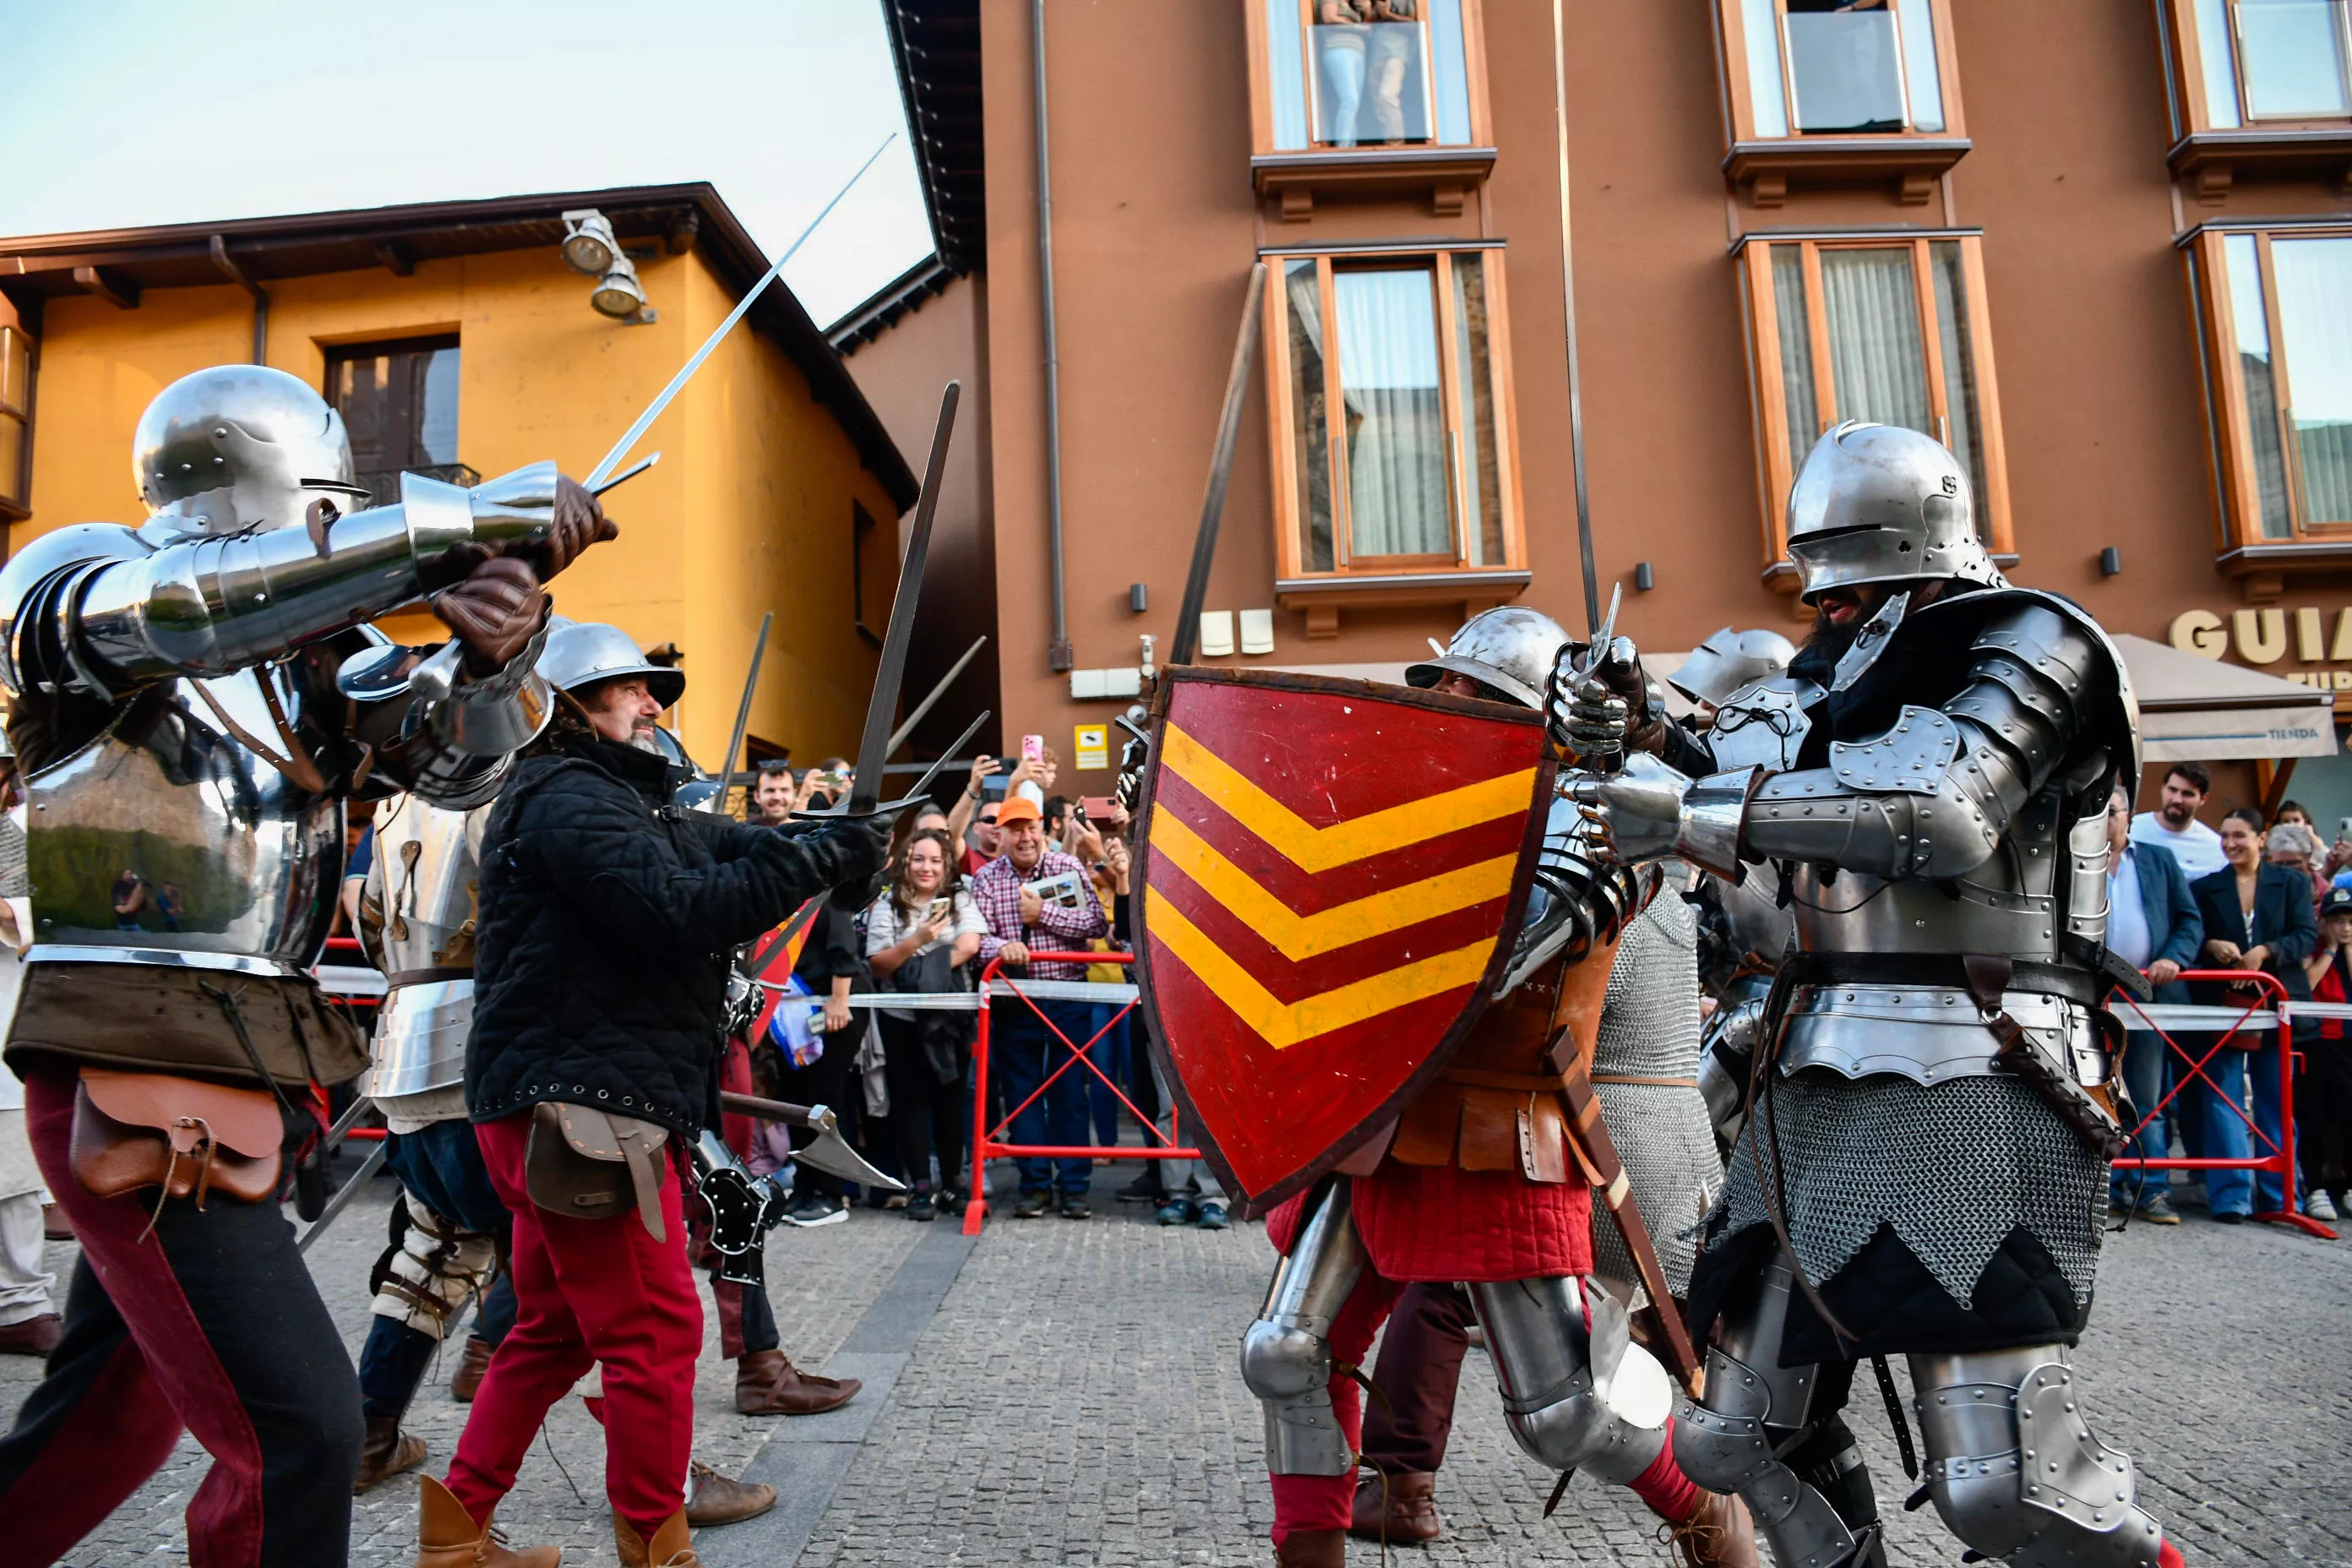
1009	869
2252	896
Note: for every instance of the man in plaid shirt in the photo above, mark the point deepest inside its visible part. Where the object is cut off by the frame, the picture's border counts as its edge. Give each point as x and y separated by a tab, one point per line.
1021	1043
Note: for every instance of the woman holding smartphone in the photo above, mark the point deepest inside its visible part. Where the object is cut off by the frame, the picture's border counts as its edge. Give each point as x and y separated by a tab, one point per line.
919	935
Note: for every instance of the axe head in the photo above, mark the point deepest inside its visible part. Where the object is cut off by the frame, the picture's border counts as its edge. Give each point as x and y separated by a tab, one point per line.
831	1153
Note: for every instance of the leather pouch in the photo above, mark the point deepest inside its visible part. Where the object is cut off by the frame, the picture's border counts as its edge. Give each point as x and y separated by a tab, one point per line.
591	1164
137	1130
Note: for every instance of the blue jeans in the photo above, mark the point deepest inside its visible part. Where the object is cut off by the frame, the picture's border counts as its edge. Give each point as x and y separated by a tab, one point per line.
1025	1052
2143	1075
2262	1069
1112	1055
2221	1132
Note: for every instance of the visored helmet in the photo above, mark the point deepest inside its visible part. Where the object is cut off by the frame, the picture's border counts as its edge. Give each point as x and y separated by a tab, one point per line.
1728	660
582	653
1510	649
239	446
1879	503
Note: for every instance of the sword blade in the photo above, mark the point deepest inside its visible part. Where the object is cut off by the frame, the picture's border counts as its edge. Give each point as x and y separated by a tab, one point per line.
742	715
924	783
898	736
872	748
349	1190
597	474
1221	470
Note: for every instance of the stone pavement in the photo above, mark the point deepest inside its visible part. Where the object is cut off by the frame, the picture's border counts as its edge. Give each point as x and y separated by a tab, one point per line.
1064	1393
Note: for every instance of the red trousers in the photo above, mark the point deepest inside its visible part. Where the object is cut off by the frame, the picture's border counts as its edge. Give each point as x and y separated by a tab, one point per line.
588	1292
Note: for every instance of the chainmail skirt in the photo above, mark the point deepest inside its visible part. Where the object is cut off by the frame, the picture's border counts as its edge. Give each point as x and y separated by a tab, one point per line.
1949	1175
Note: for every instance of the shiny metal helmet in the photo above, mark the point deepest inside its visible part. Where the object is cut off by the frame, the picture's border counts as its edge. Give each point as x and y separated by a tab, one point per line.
1509	648
582	653
241	446
1879	503
1728	660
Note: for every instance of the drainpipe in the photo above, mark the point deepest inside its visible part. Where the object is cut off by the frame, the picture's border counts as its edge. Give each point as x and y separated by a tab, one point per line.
1057	653
237	275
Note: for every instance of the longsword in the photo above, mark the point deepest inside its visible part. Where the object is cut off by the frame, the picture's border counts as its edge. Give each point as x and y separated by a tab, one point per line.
718	806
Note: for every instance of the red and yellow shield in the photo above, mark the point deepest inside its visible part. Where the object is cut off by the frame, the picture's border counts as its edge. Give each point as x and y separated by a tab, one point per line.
1329	868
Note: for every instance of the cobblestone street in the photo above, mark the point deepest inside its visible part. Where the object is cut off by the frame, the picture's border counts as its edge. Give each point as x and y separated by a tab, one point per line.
1063	1392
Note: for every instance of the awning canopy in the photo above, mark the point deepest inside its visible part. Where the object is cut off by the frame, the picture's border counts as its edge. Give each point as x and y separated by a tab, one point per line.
2191	707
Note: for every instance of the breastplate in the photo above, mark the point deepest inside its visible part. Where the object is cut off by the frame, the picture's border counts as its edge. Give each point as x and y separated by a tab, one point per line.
428	871
168	841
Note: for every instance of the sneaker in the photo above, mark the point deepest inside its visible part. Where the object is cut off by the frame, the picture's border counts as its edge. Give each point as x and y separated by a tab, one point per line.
816	1209
1212	1216
2158	1210
1032	1205
948	1201
2319	1205
1144	1189
1074	1208
921	1208
2229	1216
1176	1211
896	1201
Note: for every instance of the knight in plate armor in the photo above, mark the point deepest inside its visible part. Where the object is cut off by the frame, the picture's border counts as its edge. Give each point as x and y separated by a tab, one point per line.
1484	1182
194	700
1924	1156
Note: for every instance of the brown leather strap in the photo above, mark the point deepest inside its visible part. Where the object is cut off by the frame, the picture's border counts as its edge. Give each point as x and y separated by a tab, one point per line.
1656	1082
428	976
1519	1082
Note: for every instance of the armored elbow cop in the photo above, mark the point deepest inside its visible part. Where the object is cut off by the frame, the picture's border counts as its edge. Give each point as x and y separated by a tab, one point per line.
211	606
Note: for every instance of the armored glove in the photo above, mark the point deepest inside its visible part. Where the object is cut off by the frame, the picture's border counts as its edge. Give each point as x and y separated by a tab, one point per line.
1649	812
495	612
1601	708
1133	758
577	520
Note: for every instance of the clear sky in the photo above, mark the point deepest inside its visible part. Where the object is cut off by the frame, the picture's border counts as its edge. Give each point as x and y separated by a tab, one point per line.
121	112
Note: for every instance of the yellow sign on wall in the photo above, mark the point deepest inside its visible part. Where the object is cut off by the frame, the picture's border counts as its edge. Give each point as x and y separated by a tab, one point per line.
1093	746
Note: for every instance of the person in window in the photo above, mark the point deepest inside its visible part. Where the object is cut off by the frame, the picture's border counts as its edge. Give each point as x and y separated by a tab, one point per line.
2323	1090
2257	917
1392	60
919	935
1341	36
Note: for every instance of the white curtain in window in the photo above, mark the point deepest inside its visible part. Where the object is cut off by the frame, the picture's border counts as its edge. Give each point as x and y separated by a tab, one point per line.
2314	308
1393	412
1878	368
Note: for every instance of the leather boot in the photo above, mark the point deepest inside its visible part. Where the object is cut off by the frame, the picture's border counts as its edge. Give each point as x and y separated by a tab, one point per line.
671	1547
768	1384
718	1499
1720	1535
386	1451
1313	1549
447	1536
1404	1514
468	1378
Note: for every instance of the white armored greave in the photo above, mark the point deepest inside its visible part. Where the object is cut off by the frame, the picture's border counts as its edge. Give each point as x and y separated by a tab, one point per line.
1286	1353
1578	1396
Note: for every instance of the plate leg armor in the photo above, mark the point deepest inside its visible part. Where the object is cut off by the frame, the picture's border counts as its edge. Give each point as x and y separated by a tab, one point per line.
1287	1353
1764	1431
435	1268
1577	1396
2014	1469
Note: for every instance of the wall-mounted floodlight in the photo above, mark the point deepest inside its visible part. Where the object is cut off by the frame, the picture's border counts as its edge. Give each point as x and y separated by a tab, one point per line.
618	293
588	243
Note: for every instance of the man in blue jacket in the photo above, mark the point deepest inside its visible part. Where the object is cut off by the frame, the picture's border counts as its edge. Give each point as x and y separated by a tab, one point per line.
2153	924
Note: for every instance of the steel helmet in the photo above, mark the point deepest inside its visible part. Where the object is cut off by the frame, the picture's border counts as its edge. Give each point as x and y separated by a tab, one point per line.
582	653
1880	504
241	446
1510	649
1728	660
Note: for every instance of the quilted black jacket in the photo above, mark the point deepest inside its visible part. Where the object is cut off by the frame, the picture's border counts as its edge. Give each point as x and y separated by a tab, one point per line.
606	918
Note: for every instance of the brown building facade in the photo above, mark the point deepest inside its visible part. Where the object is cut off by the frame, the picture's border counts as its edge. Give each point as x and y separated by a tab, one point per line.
2104	251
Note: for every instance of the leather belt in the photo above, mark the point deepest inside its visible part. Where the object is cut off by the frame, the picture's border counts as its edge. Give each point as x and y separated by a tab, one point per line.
1518	1082
425	976
1944	970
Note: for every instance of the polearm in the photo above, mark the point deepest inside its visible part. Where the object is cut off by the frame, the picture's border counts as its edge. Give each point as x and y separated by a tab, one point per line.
718	806
898	736
1221	472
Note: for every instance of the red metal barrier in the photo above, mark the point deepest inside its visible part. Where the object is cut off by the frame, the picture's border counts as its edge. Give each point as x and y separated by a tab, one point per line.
2268	992
984	1139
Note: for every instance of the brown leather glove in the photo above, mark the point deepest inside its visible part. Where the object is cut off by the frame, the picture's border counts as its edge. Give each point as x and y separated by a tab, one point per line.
494	612
580	521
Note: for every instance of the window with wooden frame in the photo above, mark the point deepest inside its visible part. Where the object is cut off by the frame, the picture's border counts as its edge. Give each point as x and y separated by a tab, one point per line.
1841	89
2276	306
17	362
1890	331
1389	399
399	402
2257	62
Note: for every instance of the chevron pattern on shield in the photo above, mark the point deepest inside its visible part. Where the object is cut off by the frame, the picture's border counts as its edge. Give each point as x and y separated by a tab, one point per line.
1329	873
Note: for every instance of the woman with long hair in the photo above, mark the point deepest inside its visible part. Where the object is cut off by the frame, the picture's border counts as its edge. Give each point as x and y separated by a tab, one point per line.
919	935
